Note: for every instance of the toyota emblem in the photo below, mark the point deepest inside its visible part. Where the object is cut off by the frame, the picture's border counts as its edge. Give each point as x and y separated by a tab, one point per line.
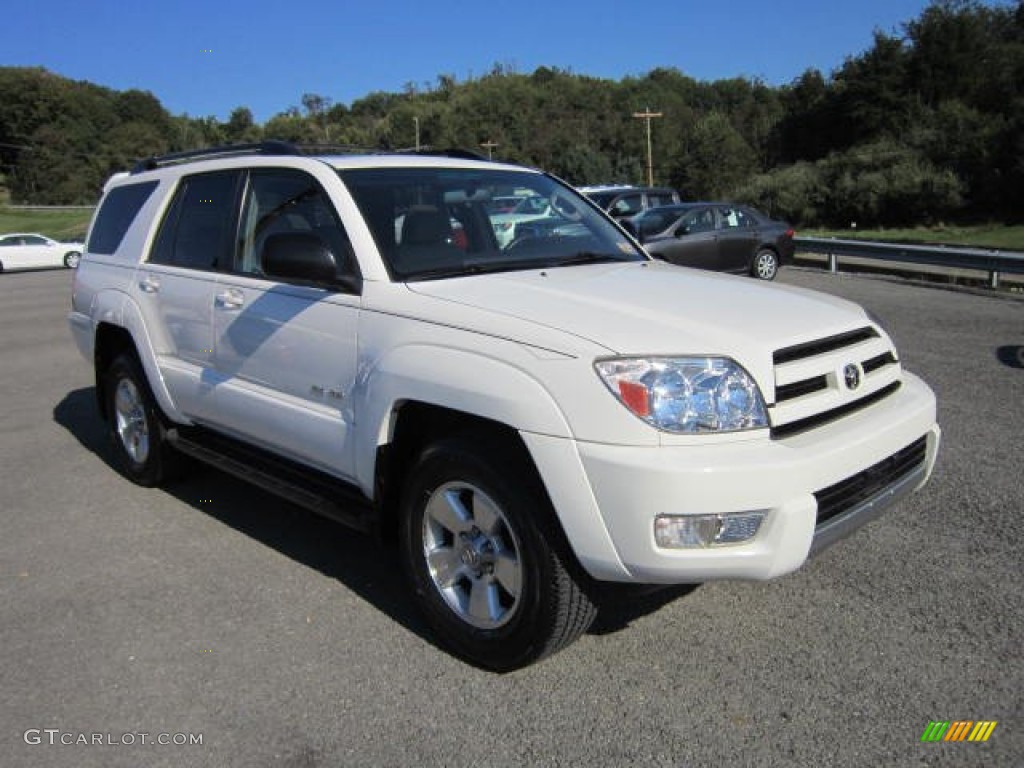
851	375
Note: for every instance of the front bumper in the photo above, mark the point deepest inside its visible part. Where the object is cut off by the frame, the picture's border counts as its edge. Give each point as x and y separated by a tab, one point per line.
630	486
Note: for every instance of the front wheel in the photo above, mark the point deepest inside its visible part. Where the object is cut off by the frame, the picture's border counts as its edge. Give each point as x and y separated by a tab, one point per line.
766	265
136	428
486	561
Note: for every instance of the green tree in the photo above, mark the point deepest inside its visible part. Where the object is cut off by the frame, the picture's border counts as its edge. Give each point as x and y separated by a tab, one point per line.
241	128
715	161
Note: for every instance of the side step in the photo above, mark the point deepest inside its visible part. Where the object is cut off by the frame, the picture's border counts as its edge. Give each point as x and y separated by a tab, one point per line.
316	491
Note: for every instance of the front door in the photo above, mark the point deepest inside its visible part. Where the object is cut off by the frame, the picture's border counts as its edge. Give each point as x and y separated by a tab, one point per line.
285	352
694	242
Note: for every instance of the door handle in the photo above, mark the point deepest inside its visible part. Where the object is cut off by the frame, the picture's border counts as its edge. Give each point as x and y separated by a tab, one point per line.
232	298
149	284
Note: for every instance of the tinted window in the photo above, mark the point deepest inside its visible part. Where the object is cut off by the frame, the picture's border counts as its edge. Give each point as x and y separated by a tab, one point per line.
197	231
280	201
627	205
659	198
116	214
699	220
656	221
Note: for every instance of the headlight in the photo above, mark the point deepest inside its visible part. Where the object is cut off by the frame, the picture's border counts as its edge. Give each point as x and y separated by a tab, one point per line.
686	394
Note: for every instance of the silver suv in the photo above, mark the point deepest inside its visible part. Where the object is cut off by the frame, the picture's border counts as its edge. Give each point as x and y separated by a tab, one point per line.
531	418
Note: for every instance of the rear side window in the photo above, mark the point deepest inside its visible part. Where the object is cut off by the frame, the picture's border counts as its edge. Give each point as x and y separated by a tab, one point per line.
735	218
118	211
198	230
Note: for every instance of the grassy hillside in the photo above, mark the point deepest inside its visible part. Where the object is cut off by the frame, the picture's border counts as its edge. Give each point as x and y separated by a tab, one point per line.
60	225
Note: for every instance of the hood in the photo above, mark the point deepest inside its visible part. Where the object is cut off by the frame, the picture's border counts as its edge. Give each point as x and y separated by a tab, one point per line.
653	308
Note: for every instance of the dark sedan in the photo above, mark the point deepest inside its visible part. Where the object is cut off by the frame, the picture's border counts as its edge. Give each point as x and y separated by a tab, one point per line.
719	236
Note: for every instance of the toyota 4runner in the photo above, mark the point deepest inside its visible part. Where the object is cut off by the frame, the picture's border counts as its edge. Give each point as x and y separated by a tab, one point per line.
529	419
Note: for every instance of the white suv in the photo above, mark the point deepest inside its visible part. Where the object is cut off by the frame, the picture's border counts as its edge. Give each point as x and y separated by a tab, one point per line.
531	419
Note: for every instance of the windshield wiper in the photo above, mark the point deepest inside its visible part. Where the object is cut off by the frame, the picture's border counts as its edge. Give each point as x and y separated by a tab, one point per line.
474	268
584	257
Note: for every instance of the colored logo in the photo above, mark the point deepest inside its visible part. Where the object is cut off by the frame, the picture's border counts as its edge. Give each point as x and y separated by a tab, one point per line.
959	730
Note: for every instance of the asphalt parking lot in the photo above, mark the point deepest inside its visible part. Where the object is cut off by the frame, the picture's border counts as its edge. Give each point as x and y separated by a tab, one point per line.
211	609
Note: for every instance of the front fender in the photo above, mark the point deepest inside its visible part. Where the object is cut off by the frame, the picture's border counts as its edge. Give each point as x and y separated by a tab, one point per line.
450	378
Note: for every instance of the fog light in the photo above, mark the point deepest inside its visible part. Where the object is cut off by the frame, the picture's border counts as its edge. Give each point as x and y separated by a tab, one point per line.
702	531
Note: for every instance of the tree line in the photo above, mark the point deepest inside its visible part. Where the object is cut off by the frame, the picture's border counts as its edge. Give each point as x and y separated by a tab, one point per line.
927	125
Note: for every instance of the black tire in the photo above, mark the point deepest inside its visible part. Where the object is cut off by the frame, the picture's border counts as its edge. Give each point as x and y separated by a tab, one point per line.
765	265
136	425
71	259
502	591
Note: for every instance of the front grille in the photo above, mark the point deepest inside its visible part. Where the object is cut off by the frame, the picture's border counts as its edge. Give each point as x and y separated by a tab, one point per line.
800	388
818	419
847	494
811	381
872	365
823	346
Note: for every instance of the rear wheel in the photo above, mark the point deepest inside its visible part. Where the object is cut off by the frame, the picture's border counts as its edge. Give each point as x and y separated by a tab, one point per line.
488	566
766	265
136	426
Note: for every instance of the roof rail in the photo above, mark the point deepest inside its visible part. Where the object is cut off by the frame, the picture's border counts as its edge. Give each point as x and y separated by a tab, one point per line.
274	147
453	152
226	150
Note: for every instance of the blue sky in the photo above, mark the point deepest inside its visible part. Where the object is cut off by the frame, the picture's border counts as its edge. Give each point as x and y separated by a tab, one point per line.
206	58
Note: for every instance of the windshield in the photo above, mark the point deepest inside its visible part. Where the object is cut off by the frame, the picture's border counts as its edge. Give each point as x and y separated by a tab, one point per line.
432	223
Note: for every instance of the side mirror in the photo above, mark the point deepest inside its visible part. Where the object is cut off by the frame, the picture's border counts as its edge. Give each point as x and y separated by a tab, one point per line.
303	256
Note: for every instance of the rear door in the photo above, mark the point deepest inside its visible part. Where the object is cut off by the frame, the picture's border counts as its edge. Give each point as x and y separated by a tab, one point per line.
285	360
175	288
738	238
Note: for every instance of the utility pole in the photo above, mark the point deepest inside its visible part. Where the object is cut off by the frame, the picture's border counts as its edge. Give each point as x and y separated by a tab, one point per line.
416	120
489	145
647	116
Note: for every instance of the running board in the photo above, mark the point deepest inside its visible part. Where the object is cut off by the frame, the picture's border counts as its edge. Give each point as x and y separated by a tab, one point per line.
313	490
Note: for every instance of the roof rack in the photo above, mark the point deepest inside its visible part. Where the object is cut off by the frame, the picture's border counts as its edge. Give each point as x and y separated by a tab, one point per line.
453	152
226	150
279	148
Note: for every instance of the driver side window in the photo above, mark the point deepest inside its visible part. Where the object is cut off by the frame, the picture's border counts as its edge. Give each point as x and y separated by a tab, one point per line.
282	201
701	220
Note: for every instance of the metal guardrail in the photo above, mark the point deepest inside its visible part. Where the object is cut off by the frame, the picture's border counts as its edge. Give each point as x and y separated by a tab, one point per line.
994	262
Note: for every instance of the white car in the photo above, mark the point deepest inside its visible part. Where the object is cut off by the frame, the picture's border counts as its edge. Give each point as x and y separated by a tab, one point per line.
527	423
34	251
